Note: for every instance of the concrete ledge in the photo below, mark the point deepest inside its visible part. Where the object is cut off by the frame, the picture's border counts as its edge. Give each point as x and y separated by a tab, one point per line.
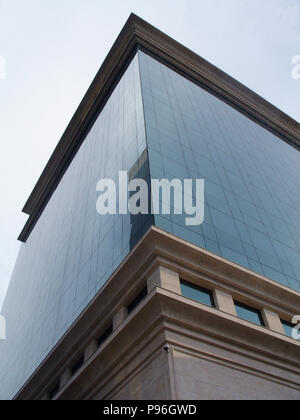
160	260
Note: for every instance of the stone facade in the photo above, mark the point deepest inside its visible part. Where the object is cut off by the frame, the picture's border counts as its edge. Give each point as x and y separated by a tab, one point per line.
171	347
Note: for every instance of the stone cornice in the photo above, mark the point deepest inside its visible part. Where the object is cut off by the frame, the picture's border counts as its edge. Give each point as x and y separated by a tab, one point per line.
139	34
159	248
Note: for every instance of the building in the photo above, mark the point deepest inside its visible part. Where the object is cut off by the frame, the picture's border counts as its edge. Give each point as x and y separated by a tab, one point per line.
144	306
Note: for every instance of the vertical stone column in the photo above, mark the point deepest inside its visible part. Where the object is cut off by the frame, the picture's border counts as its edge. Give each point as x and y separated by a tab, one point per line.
119	317
224	302
89	350
272	321
164	278
65	377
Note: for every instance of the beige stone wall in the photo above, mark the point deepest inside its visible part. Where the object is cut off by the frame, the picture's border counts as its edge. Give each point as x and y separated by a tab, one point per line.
199	379
152	382
179	375
212	354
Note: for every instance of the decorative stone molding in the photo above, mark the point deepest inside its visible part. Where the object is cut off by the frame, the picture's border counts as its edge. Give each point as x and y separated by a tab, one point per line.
224	302
272	321
164	278
161	259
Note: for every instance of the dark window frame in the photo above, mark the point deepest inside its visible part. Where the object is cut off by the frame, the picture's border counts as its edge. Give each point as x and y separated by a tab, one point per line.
77	365
201	289
104	336
137	300
54	391
289	325
250	309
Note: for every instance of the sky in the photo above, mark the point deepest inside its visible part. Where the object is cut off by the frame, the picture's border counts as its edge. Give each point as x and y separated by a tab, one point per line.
50	51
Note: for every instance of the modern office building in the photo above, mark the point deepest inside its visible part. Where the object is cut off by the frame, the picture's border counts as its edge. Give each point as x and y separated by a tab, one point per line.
144	306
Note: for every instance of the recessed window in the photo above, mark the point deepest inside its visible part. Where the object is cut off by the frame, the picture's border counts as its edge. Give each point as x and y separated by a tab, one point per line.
75	368
54	391
288	328
197	293
103	337
137	300
249	314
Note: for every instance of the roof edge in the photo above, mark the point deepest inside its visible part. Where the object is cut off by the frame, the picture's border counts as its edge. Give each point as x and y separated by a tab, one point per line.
137	32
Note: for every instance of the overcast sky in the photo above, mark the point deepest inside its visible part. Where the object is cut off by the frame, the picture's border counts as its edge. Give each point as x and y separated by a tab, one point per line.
52	49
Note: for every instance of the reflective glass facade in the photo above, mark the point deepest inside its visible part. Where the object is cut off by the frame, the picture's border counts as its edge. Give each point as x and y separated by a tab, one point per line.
73	250
252	178
199	294
156	123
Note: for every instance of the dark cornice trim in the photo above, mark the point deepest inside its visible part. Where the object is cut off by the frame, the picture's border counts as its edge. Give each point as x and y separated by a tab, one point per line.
138	33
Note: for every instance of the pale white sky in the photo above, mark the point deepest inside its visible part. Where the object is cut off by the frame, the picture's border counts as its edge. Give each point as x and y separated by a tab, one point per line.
53	49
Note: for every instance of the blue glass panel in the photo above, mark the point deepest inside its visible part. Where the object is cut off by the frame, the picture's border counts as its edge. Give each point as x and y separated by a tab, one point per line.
73	250
199	294
252	178
249	314
288	328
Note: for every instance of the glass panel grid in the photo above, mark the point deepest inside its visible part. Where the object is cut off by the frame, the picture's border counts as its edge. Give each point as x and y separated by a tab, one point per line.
252	178
72	250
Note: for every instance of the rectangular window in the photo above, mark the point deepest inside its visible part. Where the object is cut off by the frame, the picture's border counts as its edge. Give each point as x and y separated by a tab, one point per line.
197	293
103	337
249	314
137	300
54	391
288	328
77	365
